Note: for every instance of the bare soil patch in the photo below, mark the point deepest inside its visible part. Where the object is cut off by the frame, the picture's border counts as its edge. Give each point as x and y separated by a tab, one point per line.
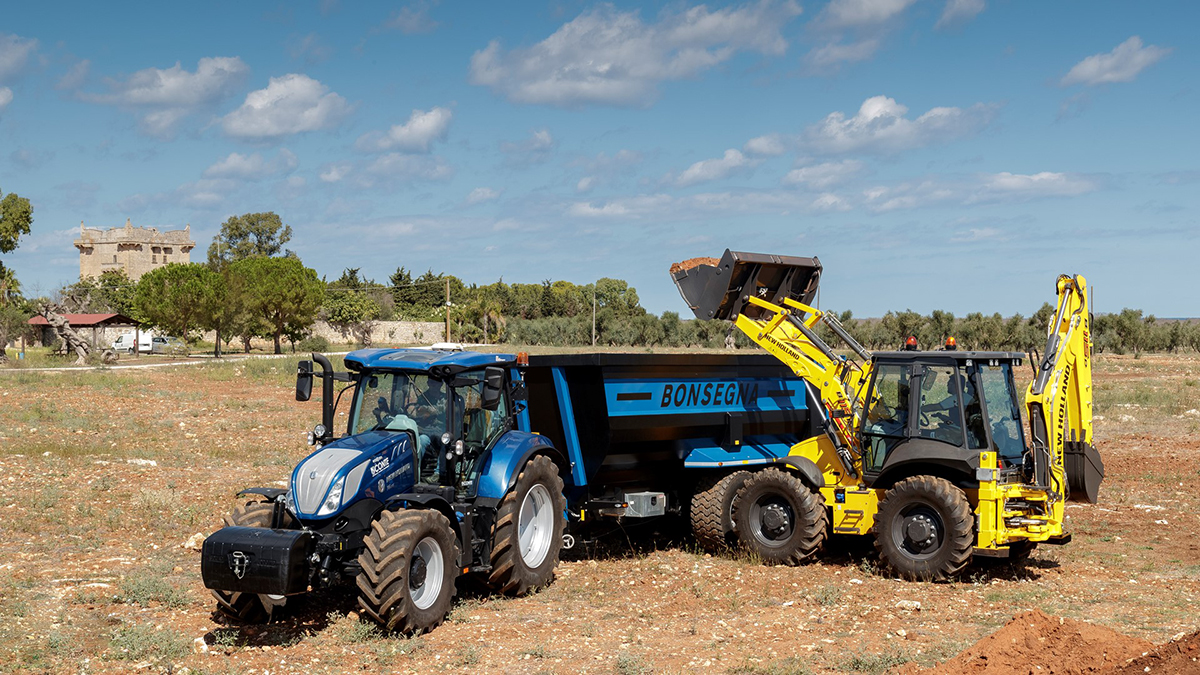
692	263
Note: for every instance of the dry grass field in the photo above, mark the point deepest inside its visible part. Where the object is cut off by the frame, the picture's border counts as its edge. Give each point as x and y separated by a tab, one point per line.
105	474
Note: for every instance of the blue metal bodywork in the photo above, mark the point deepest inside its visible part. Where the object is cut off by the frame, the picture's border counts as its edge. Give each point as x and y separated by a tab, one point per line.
388	468
423	360
501	466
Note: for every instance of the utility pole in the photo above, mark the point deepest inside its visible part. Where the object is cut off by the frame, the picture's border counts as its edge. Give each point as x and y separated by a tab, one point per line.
447	309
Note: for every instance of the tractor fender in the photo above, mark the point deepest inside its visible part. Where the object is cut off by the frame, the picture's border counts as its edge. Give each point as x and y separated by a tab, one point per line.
809	473
503	464
270	493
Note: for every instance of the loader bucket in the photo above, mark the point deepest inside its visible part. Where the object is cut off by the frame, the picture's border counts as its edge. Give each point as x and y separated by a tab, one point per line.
717	289
1085	471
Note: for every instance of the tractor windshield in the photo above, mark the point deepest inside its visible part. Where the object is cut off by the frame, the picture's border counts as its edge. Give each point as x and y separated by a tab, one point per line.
1003	411
400	401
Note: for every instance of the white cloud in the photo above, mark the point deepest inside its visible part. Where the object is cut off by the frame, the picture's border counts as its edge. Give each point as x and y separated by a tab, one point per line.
585	184
291	104
823	176
862	13
714	169
415	135
958	12
412	19
309	48
6	97
166	96
482	194
770	145
1044	184
334	172
14	53
608	57
532	150
1122	64
880	126
830	202
836	52
253	166
629	207
409	167
75	76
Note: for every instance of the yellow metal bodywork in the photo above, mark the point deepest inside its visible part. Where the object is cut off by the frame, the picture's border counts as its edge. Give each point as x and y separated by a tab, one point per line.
842	383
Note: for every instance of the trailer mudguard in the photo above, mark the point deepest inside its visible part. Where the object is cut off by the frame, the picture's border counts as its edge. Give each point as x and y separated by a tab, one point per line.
706	453
508	455
809	473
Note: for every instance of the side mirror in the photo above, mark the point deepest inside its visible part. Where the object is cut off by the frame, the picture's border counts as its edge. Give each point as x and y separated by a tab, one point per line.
304	379
493	387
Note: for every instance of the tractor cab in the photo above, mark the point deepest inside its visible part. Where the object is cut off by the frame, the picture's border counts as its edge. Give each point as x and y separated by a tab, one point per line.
940	409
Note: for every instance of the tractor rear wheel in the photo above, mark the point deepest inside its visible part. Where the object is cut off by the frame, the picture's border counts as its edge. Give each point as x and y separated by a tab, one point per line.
251	607
711	510
924	529
780	518
528	533
409	564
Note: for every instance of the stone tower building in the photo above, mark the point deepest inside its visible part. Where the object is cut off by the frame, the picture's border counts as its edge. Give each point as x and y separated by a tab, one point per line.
136	250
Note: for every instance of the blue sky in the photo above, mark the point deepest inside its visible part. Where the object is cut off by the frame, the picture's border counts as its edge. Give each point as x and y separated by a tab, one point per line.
933	154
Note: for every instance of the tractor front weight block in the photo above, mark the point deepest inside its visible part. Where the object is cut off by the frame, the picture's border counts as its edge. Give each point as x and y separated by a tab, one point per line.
257	560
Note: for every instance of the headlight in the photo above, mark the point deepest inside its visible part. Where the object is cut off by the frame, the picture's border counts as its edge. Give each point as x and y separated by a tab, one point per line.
290	503
334	500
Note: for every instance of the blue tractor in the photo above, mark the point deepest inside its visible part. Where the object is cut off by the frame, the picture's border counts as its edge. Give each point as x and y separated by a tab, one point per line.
432	480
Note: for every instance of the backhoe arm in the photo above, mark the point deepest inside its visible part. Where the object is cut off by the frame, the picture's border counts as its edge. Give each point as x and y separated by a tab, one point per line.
1059	401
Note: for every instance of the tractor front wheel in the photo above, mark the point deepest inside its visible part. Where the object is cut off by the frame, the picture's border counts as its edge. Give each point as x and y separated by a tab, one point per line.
924	529
780	518
251	607
409	564
528	533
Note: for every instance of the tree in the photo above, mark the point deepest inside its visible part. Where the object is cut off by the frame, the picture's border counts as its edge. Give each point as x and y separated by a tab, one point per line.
352	313
173	298
16	215
281	291
14	316
112	292
249	235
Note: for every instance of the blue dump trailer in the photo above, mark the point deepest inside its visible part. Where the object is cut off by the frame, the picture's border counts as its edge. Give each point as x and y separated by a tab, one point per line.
456	464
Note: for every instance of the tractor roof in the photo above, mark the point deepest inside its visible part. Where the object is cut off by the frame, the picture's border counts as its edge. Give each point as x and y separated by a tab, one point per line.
439	361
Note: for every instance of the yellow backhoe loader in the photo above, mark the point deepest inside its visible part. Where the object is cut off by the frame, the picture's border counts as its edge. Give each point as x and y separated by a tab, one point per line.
923	450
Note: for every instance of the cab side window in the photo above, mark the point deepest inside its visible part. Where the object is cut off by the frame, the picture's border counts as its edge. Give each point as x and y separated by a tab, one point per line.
941	416
886	417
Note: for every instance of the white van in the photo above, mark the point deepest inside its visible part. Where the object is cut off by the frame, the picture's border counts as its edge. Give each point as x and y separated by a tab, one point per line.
124	343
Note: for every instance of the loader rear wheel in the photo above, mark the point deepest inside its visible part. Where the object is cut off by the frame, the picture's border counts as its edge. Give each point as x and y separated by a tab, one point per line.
528	533
780	518
924	529
251	607
712	510
409	564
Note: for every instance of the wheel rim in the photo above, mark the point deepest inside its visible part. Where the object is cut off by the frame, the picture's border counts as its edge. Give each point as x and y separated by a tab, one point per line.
425	573
535	525
772	520
919	531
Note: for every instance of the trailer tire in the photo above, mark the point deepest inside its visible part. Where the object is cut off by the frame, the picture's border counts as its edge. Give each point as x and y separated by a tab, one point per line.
251	607
711	510
533	507
409	564
924	529
780	518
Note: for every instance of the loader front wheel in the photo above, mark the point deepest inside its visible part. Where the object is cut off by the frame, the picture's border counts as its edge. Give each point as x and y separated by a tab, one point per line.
528	533
711	510
251	607
409	564
780	518
924	529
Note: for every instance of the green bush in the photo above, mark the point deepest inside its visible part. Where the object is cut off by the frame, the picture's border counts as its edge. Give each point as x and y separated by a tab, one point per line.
314	343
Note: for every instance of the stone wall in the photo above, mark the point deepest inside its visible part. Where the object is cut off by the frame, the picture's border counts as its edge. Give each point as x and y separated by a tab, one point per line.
385	333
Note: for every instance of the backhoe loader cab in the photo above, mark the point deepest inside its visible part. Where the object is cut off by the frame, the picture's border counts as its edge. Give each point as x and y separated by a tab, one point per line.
934	412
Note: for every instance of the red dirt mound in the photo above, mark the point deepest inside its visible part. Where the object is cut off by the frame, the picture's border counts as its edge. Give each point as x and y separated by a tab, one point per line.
1177	657
1033	642
693	263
